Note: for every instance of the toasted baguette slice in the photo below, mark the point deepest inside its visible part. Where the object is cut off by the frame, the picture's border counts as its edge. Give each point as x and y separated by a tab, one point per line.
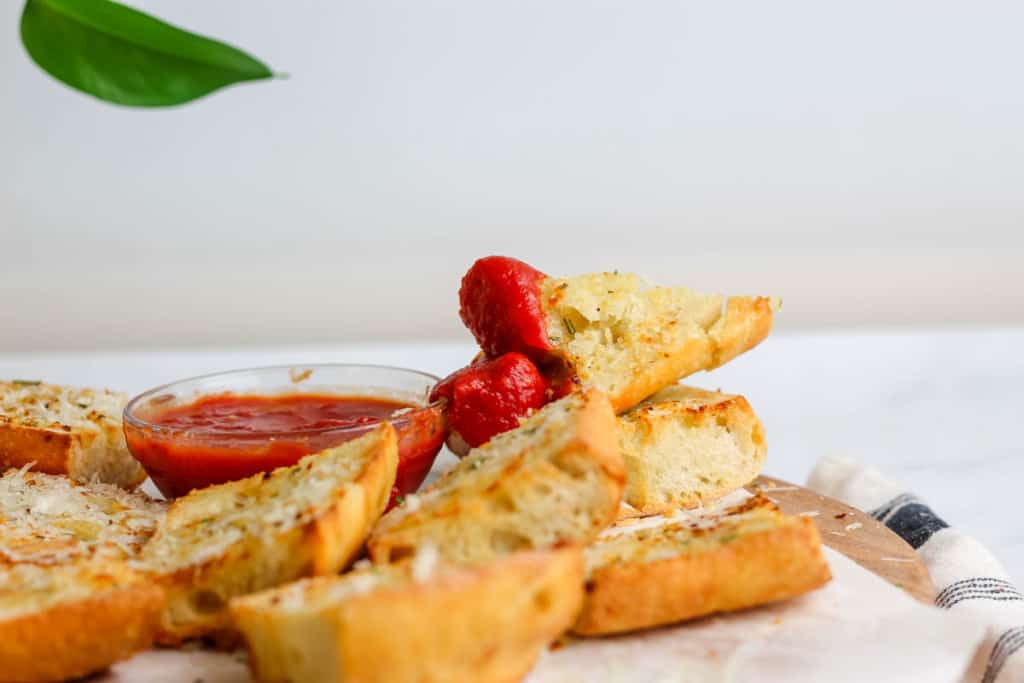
62	622
49	519
630	340
414	623
236	538
557	478
685	447
693	566
64	430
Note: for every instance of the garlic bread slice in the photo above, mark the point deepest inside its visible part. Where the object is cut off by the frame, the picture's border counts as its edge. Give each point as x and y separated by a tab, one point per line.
418	621
617	334
66	621
66	430
556	478
657	571
685	447
243	536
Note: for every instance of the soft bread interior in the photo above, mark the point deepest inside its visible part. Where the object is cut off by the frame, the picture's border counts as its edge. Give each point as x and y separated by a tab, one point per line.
685	447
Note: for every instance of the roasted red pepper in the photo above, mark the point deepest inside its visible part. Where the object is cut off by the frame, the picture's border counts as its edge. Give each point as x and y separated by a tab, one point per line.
489	397
500	303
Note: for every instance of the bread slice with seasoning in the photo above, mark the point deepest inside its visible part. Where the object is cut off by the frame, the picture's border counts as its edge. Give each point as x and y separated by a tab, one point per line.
685	447
67	621
244	536
557	478
66	430
414	622
48	519
614	332
657	571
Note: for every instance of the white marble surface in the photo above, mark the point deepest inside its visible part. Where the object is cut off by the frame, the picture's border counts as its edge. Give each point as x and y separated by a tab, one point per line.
940	412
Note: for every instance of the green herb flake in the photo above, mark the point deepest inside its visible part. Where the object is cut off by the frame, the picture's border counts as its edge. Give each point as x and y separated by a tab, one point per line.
569	326
399	500
27	382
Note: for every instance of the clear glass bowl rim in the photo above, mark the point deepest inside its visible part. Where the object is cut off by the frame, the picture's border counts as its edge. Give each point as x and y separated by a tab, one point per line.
136	422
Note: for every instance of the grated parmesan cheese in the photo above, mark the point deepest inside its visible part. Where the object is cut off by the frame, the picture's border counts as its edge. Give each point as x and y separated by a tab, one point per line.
45	405
49	519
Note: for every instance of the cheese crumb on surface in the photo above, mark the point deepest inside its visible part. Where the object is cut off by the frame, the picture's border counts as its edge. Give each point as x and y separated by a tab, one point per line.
425	563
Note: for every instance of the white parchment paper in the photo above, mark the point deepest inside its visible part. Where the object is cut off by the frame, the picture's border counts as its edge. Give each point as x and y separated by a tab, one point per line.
857	628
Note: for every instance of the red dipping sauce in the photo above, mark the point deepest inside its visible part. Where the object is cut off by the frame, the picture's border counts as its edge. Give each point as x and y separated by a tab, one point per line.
231	414
227	436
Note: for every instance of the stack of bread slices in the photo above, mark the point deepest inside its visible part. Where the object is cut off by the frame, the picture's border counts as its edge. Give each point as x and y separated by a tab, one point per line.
616	508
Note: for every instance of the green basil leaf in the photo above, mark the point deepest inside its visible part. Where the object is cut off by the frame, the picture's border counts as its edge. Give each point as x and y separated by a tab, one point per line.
124	56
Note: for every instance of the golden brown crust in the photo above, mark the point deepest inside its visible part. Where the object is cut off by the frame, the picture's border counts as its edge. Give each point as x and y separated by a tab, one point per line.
694	355
754	569
746	323
71	640
598	437
484	624
52	450
198	594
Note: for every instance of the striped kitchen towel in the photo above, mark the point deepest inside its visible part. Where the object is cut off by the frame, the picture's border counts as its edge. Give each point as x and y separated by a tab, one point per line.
969	581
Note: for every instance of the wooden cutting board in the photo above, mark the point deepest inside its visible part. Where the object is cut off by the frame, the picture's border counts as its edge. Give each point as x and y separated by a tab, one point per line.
855	534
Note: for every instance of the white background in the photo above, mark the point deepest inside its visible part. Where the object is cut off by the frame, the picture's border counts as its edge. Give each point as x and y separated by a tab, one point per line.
865	161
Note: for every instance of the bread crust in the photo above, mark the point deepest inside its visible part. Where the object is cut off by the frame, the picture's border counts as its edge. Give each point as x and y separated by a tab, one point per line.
51	450
484	624
694	355
197	594
756	569
747	321
56	447
693	423
74	639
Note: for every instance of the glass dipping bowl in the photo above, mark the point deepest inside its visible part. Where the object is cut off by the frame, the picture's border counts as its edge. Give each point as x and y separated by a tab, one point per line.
180	460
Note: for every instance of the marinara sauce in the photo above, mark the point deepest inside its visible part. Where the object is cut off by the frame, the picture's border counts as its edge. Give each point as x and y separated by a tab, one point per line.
224	437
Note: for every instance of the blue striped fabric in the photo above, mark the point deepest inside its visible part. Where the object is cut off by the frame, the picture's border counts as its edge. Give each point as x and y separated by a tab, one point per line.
916	523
